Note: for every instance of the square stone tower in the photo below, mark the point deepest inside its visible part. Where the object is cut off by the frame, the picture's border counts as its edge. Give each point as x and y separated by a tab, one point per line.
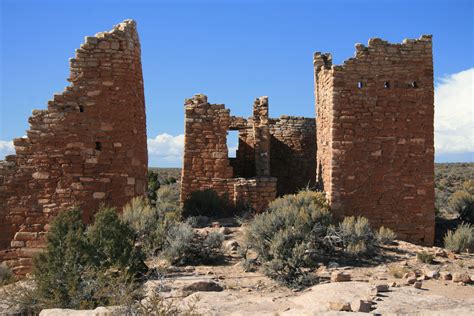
375	151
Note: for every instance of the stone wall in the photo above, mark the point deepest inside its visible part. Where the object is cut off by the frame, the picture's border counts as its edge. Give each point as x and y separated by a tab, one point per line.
274	156
293	153
88	147
375	135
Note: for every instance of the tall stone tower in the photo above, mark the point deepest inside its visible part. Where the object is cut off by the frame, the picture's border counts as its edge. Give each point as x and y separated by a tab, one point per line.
375	151
87	148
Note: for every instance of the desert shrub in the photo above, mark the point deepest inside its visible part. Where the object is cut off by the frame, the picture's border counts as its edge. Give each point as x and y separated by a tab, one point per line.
113	243
385	236
468	186
205	202
462	202
151	223
185	246
425	257
461	239
290	235
168	193
153	185
354	236
6	275
77	264
398	271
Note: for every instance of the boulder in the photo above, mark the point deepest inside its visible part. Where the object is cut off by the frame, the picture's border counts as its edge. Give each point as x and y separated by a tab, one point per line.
231	245
461	277
431	274
446	275
339	276
417	284
382	288
361	306
339	306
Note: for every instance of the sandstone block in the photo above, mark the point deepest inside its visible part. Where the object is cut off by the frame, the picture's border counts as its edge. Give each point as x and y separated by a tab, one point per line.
339	276
361	306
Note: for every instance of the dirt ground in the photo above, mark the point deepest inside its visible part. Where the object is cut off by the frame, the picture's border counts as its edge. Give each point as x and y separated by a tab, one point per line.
252	293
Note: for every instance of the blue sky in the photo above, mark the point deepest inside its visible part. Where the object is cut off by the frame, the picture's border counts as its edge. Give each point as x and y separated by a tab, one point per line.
232	51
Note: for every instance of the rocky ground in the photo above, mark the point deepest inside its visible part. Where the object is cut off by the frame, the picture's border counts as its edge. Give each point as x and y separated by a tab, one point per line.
397	284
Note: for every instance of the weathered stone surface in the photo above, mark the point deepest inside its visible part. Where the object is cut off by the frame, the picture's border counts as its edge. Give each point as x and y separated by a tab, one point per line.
375	137
339	306
340	276
361	306
69	156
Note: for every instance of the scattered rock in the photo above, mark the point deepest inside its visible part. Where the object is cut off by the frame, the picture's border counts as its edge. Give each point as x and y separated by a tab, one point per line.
446	275
441	253
339	276
382	288
231	245
173	269
411	280
189	268
461	277
432	274
333	265
203	286
418	284
224	230
339	306
362	306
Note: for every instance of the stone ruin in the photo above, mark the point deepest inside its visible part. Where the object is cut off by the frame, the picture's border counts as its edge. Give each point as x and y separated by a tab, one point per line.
89	147
375	117
375	147
285	146
374	157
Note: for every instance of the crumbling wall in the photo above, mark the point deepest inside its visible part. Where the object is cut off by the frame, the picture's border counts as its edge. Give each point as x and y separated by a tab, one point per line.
375	135
88	147
206	164
293	153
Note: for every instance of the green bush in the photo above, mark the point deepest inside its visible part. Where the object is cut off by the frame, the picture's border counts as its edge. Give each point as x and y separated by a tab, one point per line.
290	235
296	233
462	202
206	203
385	236
77	264
6	275
151	224
153	185
425	257
357	238
185	246
113	243
461	239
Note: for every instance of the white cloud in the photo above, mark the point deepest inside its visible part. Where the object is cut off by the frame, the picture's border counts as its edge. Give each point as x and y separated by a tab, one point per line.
166	148
454	113
6	148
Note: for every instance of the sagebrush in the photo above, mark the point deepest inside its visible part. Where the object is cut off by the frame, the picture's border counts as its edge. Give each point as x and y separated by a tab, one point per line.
297	232
461	239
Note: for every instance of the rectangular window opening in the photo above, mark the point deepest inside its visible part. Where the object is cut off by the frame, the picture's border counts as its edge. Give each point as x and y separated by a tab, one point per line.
98	146
232	143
